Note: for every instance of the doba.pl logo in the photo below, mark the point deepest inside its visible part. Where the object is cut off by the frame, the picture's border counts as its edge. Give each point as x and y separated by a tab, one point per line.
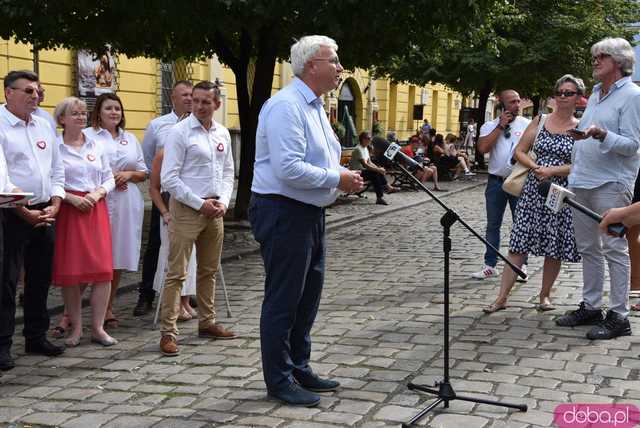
596	415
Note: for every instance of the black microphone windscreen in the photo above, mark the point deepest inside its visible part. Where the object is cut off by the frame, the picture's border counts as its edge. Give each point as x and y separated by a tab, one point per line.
380	143
543	188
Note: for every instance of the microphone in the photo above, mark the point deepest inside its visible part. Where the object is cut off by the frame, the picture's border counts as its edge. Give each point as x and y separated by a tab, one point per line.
556	195
393	153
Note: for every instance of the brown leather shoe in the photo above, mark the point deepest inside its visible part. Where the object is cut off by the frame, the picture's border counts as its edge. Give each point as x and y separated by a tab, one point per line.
169	346
216	331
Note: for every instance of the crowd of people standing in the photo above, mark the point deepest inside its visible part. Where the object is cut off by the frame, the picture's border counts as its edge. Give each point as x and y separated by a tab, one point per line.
83	225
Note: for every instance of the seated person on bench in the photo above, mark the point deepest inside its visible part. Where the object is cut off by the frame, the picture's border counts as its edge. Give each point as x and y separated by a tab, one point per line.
446	162
361	160
416	152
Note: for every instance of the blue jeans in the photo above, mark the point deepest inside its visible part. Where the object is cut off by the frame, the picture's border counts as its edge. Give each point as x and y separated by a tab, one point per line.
292	243
496	201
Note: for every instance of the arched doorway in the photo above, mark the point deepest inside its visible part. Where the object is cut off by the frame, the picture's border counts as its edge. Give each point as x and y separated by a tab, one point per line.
350	102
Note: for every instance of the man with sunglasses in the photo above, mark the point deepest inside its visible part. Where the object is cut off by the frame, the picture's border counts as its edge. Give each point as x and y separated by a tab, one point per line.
604	168
35	166
499	138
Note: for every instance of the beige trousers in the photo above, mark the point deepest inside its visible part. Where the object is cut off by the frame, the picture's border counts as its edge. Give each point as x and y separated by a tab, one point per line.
189	227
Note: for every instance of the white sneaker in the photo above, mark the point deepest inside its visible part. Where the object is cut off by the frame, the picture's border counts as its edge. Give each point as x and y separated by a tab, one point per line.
486	272
526	276
469	173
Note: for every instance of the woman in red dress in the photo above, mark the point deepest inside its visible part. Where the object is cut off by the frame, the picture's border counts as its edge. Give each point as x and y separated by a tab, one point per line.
83	244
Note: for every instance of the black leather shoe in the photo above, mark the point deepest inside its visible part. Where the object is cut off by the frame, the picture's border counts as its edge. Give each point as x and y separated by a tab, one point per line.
6	362
295	395
614	325
143	307
581	316
314	383
43	347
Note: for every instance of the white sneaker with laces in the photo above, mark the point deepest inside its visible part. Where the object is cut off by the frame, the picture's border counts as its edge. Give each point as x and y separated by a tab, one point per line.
486	272
469	173
526	275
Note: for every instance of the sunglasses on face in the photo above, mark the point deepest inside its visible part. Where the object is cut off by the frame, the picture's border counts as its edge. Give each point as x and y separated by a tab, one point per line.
27	90
507	131
565	94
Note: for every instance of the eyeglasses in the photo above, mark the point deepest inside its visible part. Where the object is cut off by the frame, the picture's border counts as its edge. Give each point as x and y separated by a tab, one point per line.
334	60
78	114
507	131
28	90
600	57
565	94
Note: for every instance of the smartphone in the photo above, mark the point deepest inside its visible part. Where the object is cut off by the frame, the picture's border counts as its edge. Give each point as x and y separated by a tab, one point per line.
577	133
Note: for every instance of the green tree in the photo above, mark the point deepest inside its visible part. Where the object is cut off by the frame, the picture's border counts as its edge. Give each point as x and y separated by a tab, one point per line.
247	35
525	44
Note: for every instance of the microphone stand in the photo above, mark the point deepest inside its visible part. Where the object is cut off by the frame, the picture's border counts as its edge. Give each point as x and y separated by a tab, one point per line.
445	392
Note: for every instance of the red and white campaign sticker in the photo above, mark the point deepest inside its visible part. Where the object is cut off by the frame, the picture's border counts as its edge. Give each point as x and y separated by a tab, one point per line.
124	142
220	147
518	133
41	144
91	157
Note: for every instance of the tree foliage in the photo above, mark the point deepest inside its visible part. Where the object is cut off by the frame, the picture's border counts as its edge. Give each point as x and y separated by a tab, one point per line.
243	33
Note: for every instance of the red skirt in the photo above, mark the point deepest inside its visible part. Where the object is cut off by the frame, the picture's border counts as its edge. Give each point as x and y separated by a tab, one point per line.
83	245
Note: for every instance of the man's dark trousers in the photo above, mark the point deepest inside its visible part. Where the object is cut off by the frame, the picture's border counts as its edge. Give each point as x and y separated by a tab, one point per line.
292	242
33	246
150	260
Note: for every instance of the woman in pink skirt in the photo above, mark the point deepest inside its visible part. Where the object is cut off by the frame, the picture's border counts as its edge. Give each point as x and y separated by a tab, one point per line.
83	244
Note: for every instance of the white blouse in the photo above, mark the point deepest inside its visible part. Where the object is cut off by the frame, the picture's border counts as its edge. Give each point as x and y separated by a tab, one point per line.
88	168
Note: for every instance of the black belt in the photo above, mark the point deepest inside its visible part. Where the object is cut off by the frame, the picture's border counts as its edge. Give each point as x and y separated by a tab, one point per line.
282	198
39	206
496	177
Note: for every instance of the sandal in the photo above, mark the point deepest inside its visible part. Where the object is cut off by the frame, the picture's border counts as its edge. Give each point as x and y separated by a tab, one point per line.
544	307
58	332
635	307
111	323
494	307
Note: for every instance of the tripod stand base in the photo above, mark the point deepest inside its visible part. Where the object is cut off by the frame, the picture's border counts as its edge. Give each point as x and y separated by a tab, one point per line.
445	393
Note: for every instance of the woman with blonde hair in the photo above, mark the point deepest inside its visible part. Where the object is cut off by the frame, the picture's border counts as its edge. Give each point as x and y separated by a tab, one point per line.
83	245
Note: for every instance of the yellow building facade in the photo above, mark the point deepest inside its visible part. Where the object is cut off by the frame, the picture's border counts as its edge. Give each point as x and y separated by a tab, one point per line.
140	80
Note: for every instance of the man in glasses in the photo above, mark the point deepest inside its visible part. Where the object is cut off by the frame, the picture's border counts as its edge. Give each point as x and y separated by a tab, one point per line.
35	166
499	138
297	173
604	168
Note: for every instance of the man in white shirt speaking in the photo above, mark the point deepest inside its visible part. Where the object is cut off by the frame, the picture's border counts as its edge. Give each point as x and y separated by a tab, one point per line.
297	173
499	137
35	165
197	171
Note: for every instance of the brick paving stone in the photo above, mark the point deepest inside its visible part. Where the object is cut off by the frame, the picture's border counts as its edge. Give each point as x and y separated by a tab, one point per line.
88	420
238	372
8	401
179	423
150	400
535	417
51	406
395	413
388	375
348	419
612	372
589	398
215	404
172	412
548	394
132	422
127	409
38	392
455	421
542	382
540	363
213	417
121	365
295	413
265	421
363	395
354	406
511	390
112	397
188	379
12	414
47	418
261	407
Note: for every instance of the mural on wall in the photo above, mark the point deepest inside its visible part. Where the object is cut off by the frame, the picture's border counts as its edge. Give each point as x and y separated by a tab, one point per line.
97	74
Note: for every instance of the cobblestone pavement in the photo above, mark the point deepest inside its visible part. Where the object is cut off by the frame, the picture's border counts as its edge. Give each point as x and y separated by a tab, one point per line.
379	326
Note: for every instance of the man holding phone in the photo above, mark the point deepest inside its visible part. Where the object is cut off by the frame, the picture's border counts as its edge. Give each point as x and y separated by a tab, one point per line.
603	172
499	138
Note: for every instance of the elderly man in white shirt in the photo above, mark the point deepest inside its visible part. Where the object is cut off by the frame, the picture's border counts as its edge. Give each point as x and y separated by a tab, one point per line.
197	171
154	141
35	166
